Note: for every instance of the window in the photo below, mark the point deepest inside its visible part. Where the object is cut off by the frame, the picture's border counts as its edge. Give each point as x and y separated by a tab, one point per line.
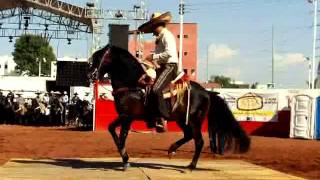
193	72
6	66
186	36
185	53
185	71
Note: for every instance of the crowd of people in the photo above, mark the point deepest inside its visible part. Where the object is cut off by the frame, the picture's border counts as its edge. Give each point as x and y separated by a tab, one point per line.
46	109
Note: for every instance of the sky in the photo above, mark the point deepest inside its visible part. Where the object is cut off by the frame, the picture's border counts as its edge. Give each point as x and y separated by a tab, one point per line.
236	33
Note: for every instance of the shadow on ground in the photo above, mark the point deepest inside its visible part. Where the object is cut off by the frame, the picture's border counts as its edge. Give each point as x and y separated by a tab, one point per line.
103	165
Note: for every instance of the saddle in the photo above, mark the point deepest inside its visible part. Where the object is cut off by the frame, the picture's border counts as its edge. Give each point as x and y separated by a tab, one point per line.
174	92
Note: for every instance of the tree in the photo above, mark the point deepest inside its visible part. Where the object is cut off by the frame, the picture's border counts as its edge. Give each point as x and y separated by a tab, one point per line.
254	85
224	81
30	48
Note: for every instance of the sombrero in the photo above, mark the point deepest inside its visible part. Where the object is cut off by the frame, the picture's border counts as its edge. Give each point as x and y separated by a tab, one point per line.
155	19
38	92
57	93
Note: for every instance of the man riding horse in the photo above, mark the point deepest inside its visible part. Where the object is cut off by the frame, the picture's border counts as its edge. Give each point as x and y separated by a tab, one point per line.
165	58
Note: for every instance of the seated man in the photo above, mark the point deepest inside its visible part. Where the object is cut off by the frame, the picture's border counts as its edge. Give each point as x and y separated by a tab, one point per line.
165	57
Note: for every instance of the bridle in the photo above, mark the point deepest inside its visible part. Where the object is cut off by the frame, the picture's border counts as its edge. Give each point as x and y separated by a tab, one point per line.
106	59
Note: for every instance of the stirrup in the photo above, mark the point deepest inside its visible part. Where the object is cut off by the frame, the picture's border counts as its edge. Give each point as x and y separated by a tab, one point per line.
160	129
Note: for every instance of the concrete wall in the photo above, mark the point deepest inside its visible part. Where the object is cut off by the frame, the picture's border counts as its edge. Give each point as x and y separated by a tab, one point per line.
27	84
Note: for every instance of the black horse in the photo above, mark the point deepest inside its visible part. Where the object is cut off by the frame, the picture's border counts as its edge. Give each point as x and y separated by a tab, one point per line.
125	71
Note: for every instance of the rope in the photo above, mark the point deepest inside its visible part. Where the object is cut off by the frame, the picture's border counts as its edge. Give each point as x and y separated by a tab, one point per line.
188	106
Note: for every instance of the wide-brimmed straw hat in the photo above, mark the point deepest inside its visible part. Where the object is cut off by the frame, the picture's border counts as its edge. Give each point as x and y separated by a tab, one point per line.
156	18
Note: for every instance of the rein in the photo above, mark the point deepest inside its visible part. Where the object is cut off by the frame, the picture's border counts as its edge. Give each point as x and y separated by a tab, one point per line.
119	90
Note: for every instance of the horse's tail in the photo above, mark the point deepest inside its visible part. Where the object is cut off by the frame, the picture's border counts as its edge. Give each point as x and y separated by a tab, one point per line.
222	122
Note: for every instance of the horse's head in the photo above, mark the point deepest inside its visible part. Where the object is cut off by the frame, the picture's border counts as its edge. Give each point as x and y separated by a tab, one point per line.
121	66
99	63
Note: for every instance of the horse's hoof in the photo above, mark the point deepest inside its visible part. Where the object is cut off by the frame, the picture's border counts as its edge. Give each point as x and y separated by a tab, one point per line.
191	167
126	166
171	154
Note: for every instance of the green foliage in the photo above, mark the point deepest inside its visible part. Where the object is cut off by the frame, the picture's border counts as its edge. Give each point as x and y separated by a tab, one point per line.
29	48
254	85
224	81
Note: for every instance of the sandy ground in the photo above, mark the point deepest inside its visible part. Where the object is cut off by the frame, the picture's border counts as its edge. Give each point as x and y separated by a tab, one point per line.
297	157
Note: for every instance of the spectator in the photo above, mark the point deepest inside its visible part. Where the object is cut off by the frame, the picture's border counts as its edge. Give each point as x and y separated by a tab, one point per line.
20	99
64	101
75	98
46	98
38	96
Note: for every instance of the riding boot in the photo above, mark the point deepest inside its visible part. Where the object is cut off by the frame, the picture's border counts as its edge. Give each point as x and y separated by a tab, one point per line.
163	107
161	125
151	123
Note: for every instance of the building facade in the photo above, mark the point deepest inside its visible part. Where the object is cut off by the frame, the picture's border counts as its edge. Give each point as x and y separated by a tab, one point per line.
7	65
190	47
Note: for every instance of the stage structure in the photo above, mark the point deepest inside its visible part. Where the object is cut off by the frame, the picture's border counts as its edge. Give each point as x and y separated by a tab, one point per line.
54	19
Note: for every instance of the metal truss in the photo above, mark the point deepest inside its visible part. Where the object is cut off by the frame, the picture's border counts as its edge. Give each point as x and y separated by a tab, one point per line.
55	19
48	16
129	15
48	34
60	6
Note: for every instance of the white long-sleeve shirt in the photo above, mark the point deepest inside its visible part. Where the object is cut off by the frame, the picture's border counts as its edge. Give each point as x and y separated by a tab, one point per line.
166	48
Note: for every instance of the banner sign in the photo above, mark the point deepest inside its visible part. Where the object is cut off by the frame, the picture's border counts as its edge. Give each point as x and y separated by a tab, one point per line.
261	107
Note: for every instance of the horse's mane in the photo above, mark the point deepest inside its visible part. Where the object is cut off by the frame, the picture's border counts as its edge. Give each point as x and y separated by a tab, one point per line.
125	71
126	57
97	56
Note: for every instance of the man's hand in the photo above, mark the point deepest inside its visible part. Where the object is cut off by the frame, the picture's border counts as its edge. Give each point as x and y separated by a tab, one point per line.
149	58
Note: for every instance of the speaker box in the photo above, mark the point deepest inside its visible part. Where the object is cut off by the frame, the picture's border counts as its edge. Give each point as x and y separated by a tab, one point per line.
52	86
71	73
119	35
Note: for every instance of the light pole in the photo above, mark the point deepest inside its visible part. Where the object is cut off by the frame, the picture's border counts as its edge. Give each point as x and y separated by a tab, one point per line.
309	72
208	59
315	4
39	66
181	12
208	53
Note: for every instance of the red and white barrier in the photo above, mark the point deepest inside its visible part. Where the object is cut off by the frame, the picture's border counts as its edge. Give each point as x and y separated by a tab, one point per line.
260	112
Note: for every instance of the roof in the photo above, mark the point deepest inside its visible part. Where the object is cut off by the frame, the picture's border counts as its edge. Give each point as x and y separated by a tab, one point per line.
53	6
210	85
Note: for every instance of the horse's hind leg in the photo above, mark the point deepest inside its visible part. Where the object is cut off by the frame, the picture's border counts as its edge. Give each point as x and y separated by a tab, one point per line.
187	137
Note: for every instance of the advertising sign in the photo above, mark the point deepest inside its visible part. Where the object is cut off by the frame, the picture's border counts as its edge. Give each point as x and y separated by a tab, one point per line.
261	107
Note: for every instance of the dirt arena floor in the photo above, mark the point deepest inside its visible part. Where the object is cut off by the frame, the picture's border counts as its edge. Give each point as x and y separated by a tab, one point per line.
296	157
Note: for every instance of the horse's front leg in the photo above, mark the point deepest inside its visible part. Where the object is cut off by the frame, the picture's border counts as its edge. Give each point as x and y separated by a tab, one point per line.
120	140
187	131
112	129
125	127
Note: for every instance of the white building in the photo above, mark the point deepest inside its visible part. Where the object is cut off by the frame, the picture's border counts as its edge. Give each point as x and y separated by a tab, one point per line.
31	84
7	65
